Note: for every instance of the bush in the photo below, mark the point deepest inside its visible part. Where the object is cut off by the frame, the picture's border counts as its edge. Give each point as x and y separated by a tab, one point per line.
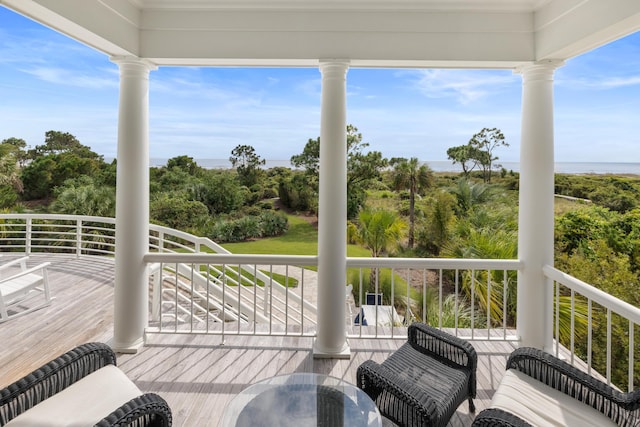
270	193
8	196
298	194
252	210
177	212
273	223
265	205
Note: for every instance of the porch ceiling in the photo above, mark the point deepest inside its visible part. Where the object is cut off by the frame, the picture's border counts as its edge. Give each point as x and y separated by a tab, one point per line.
371	33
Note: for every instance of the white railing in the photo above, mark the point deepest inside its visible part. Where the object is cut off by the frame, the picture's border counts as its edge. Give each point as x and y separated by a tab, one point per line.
222	293
87	235
65	234
218	304
471	298
593	316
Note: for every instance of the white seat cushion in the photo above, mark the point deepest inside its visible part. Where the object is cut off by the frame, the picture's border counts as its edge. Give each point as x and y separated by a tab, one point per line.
82	404
543	406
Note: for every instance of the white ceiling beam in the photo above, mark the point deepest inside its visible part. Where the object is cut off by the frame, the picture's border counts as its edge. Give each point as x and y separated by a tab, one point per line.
365	37
109	28
567	28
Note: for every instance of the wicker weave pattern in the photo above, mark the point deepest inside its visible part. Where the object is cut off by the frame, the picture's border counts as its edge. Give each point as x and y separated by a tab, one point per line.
65	370
622	408
498	418
425	380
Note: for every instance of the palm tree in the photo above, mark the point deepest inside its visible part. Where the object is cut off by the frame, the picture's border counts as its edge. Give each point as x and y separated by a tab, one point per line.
411	175
469	195
9	172
379	231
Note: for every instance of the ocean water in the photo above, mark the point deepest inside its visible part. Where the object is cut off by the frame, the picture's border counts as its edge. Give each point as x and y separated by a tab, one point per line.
447	166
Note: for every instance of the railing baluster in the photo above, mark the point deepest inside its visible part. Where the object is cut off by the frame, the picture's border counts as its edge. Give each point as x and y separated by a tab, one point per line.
78	238
440	299
408	316
457	298
393	300
488	304
425	315
589	335
473	300
608	346
557	287
631	354
505	290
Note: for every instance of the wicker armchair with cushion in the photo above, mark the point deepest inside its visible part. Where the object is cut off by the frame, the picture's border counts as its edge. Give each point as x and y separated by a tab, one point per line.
425	380
538	389
82	387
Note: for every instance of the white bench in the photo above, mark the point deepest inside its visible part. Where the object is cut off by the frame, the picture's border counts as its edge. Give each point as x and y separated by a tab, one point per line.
17	287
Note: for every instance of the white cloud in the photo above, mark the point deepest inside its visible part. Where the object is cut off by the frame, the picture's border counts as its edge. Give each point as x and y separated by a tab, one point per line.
466	86
71	77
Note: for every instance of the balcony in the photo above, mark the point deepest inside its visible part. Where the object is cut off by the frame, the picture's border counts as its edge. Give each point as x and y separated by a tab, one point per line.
208	338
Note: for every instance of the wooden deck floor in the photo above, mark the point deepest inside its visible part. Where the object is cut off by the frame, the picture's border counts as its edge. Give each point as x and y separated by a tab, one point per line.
195	374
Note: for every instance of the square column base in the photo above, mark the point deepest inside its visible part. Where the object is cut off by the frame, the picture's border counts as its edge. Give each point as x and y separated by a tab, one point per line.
344	353
130	349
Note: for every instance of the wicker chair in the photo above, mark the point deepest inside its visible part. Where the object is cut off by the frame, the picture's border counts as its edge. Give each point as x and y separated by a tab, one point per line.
70	368
622	409
425	380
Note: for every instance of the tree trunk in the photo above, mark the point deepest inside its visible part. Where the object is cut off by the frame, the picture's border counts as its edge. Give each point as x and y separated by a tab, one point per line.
412	216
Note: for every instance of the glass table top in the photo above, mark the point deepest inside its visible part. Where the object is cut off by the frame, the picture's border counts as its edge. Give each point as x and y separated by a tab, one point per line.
301	400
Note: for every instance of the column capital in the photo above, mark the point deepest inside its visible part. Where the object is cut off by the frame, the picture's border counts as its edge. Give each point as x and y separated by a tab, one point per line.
133	62
334	67
539	70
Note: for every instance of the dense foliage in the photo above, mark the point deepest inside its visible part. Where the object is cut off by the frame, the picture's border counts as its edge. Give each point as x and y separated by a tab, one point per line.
468	215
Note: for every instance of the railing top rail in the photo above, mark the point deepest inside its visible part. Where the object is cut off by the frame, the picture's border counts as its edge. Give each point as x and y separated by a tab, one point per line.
231	259
65	217
435	263
609	301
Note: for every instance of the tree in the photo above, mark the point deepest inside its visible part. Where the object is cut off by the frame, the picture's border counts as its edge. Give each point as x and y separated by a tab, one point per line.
465	155
219	191
247	164
83	197
485	142
10	182
380	231
56	142
412	176
362	167
184	163
469	195
15	146
434	233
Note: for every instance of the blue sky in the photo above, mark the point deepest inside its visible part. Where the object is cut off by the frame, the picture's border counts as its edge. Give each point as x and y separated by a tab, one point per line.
50	82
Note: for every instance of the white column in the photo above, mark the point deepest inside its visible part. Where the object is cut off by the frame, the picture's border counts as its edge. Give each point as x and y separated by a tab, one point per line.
536	215
332	213
132	206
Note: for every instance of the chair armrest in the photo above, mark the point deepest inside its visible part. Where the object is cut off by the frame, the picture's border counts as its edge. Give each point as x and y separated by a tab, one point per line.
446	347
394	395
52	378
498	418
27	271
581	386
14	262
146	410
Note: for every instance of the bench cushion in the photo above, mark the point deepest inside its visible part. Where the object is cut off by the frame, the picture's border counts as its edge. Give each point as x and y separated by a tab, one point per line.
542	406
82	404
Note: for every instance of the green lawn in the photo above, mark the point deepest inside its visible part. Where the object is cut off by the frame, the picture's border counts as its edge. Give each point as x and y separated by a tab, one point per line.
300	239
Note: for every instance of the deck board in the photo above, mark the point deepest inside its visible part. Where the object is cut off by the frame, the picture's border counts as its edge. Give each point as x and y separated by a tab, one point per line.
196	374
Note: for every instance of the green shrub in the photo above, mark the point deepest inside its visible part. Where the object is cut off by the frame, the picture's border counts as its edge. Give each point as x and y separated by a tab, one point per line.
273	223
177	212
8	196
